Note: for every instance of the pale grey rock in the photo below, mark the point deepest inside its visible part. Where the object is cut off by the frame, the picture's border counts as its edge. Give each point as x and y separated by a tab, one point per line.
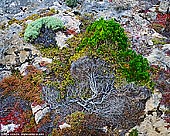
64	125
13	50
150	42
9	127
151	16
17	55
152	124
159	57
61	39
69	20
38	60
39	111
4	73
164	4
153	102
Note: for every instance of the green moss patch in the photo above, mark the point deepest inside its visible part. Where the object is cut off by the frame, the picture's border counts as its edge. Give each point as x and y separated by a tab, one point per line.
104	39
33	29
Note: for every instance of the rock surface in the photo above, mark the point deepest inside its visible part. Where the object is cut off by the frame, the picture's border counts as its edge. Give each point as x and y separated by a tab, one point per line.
136	16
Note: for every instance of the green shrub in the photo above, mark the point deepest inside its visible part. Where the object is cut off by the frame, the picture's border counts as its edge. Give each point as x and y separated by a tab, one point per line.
134	132
33	29
106	39
105	32
135	66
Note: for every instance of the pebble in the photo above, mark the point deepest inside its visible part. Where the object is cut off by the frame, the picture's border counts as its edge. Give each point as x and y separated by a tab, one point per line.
150	42
39	111
4	73
9	127
64	125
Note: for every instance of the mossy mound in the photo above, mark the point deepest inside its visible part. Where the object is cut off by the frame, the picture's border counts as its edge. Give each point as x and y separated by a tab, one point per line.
106	40
33	29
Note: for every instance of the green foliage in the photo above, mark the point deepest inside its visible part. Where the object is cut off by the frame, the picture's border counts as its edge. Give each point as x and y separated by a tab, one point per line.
134	132
71	3
106	39
158	41
135	66
104	32
33	29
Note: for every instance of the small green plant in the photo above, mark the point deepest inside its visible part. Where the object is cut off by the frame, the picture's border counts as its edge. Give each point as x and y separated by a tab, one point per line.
106	39
33	29
104	32
135	67
71	3
158	41
134	132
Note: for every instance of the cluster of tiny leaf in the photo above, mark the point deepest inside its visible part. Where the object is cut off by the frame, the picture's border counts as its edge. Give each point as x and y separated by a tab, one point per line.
60	67
134	132
106	39
33	29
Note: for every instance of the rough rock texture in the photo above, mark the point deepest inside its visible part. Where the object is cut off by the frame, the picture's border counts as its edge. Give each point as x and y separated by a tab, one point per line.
15	6
127	104
153	126
94	92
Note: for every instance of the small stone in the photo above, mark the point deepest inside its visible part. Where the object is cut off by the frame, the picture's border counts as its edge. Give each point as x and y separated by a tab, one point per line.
150	42
61	39
23	68
39	111
4	74
23	56
65	125
35	108
164	4
38	116
8	128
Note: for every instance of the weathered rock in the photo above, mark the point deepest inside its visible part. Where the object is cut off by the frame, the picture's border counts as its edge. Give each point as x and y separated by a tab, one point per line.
153	126
61	39
4	73
159	57
14	6
41	63
39	111
9	127
164	4
153	102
